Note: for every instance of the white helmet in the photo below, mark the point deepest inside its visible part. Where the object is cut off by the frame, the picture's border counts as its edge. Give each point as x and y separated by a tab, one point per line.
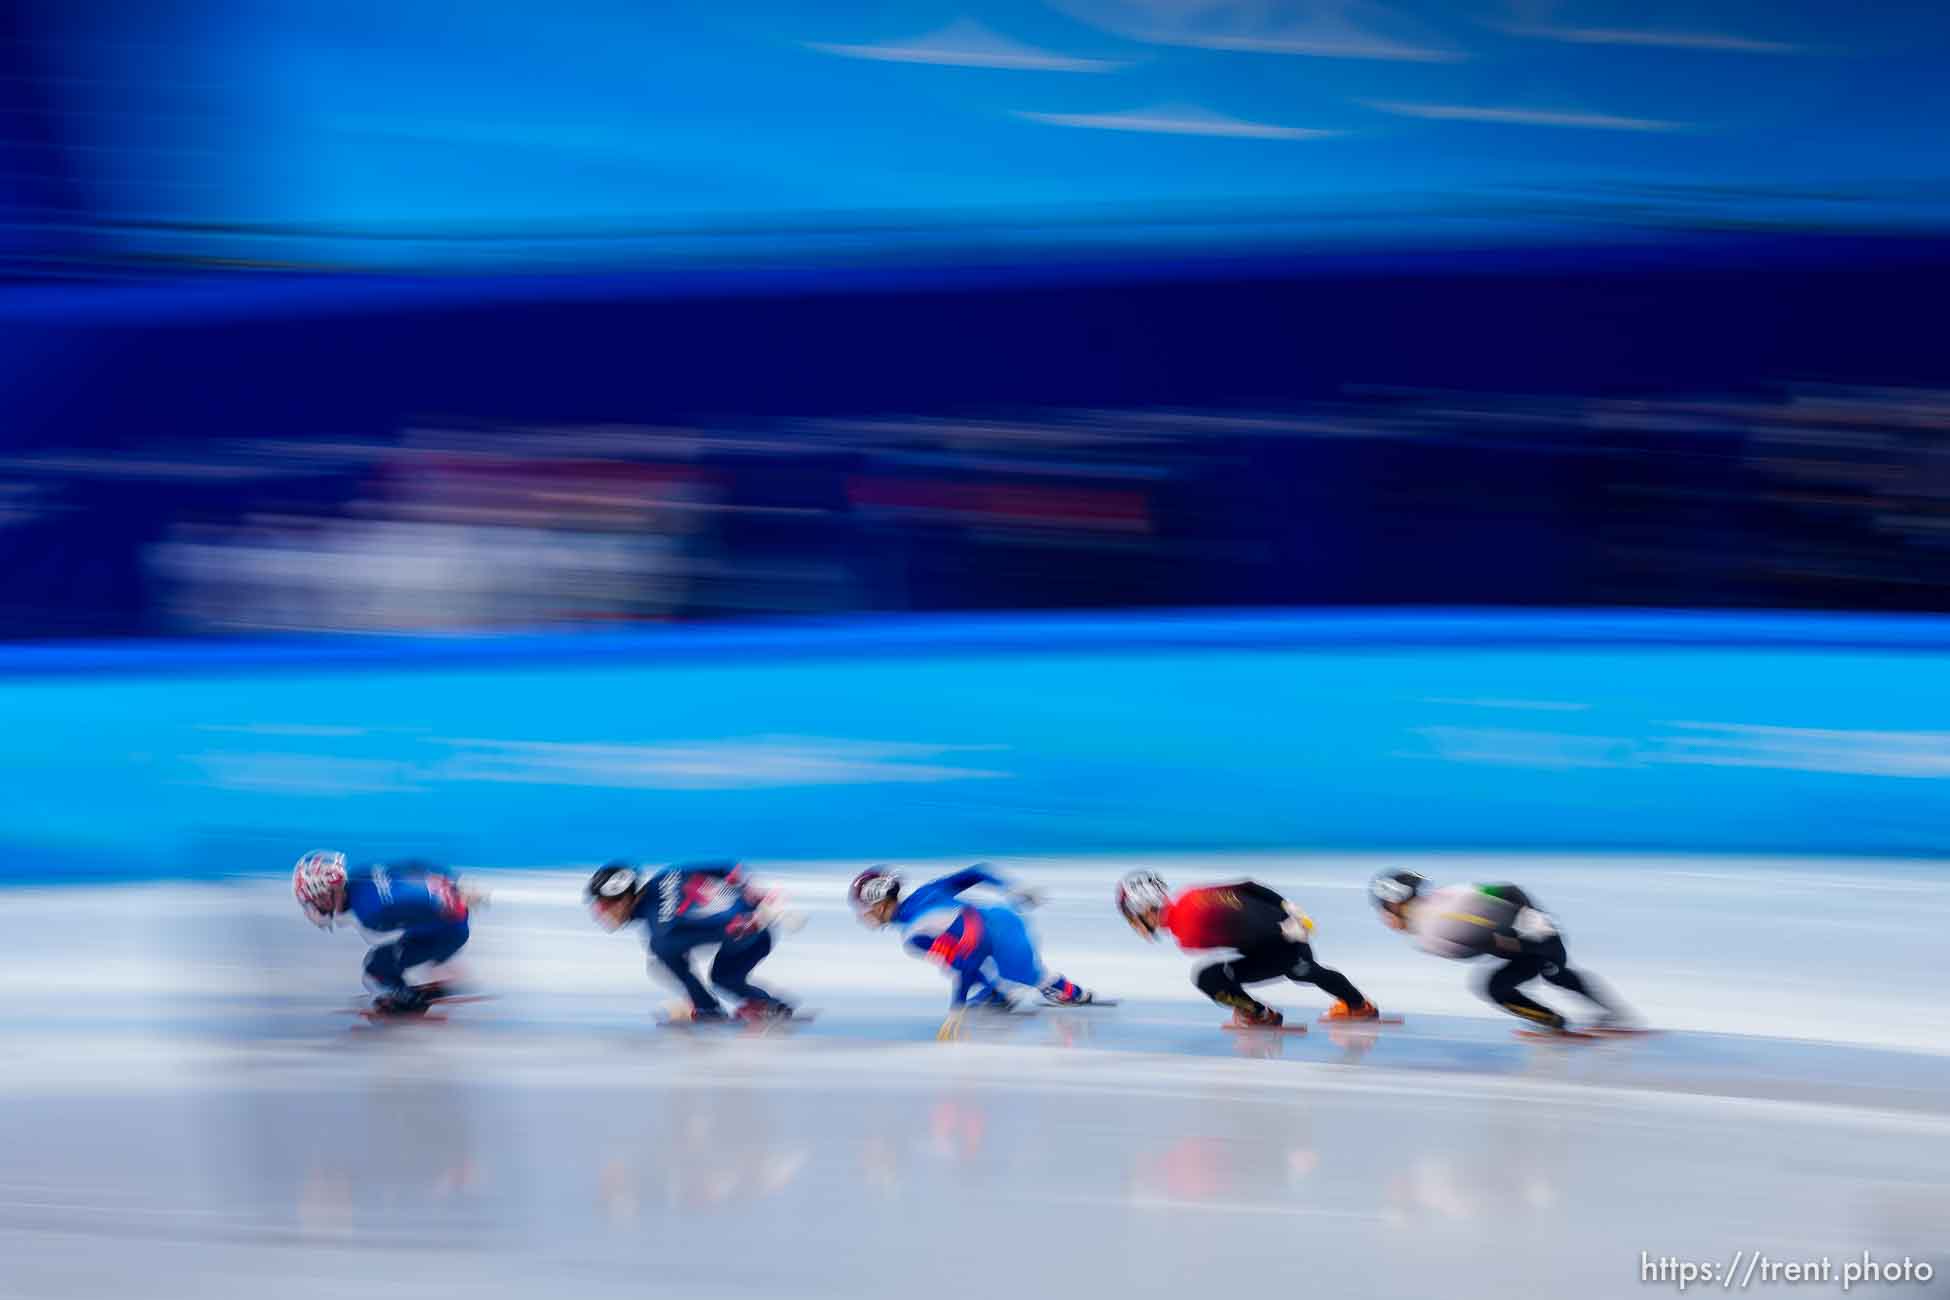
1140	897
318	881
873	886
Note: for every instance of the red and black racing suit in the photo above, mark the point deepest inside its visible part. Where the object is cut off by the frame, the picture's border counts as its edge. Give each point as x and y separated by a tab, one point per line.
1247	916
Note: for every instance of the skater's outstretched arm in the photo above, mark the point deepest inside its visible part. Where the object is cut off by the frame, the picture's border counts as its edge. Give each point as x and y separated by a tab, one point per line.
981	874
969	877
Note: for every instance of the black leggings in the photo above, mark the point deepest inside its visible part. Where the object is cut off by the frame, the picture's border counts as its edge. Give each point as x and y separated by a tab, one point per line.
1550	962
1225	981
735	960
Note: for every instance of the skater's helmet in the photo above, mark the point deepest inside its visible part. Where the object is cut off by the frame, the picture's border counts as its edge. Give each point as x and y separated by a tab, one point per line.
318	882
1391	889
612	880
1140	897
611	893
873	887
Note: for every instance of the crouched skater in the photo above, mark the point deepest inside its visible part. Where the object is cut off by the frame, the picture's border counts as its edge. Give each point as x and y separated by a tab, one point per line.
690	906
1272	937
423	909
985	948
1463	922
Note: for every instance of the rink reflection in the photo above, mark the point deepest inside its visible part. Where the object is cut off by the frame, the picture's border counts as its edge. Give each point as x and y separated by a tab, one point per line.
1103	1173
518	1154
1255	1168
388	1156
700	1151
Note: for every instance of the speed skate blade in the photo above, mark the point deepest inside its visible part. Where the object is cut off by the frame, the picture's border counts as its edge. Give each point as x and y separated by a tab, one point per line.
1556	1035
1264	1029
1348	1023
733	1022
387	1019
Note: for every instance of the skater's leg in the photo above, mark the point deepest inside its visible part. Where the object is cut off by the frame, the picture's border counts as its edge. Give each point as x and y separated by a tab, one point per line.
1216	981
673	954
1018	962
1502	989
985	993
1585	985
433	943
385	973
386	965
1598	993
736	960
1011	948
1336	985
1225	981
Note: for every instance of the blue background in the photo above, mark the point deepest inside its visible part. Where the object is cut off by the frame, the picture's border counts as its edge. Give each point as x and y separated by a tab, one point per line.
421	132
1809	735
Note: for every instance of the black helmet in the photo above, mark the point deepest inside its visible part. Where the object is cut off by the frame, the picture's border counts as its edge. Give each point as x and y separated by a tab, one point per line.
612	880
1393	888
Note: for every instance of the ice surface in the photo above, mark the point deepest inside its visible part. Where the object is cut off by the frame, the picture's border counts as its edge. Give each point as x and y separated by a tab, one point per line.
186	1110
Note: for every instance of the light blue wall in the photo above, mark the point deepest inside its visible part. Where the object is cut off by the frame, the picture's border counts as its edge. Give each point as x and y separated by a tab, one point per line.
984	737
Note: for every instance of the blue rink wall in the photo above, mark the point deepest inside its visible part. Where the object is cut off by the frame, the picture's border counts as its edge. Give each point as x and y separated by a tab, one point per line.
984	737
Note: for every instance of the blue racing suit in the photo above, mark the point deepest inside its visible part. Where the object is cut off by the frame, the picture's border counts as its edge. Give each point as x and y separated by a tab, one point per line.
419	900
980	946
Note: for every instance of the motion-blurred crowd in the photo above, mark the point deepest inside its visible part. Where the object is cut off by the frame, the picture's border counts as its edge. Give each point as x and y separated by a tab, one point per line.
1796	498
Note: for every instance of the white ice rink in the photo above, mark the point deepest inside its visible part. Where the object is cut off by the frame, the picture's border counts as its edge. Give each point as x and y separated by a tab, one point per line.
185	1109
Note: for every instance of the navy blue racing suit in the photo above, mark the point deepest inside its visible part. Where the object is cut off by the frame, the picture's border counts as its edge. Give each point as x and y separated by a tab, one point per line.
696	905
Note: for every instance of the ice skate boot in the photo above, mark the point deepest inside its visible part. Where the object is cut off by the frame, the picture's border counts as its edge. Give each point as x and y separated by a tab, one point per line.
758	1011
1258	1017
1060	992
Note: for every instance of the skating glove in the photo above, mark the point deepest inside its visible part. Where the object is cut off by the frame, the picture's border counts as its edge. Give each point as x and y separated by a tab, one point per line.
773	914
1298	926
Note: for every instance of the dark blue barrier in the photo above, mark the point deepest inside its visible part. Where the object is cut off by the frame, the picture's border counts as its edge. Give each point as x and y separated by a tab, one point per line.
299	356
1538	491
985	737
